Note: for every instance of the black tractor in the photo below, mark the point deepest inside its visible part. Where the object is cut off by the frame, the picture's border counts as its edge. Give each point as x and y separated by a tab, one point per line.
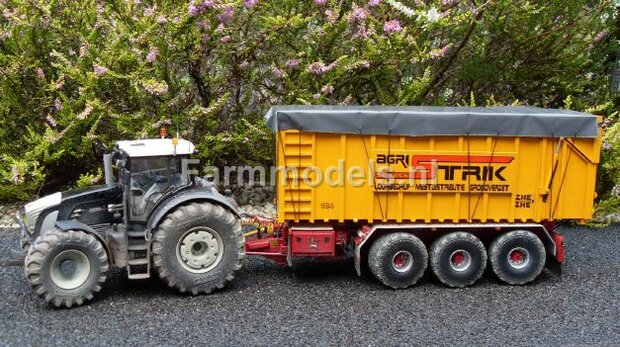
153	212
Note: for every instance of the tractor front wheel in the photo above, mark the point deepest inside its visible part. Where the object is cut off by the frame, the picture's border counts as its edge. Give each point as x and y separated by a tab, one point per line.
198	248
66	268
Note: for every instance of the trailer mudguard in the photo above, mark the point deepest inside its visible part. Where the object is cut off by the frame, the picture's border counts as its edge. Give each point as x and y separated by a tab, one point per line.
195	194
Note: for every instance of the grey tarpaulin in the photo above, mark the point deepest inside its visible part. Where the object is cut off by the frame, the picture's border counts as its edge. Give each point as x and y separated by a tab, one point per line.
519	121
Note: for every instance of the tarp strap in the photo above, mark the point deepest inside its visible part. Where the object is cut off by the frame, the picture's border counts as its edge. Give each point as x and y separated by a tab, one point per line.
557	200
387	191
555	157
298	167
580	152
469	177
486	176
372	174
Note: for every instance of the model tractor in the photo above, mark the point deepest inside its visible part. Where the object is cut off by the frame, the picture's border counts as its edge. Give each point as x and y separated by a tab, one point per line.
154	214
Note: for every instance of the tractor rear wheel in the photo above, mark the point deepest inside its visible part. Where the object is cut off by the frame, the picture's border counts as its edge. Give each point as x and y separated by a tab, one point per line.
517	257
398	260
458	259
198	248
66	268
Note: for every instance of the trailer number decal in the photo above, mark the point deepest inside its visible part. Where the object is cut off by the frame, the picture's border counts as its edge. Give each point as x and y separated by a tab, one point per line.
328	205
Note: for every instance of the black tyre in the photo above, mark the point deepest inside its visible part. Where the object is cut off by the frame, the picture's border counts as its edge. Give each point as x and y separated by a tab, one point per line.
198	248
66	268
517	257
398	260
458	259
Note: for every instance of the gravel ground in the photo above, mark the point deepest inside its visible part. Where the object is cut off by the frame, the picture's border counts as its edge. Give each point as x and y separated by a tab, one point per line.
324	303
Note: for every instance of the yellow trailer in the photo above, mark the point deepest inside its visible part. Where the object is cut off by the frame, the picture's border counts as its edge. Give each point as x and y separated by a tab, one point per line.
429	177
345	177
449	186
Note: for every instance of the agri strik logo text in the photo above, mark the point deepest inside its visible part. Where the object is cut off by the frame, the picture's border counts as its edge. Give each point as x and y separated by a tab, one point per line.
448	167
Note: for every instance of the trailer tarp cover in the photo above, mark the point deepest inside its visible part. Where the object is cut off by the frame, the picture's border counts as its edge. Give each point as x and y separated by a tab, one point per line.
519	121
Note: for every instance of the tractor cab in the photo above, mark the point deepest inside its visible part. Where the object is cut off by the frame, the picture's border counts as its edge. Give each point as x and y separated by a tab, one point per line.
151	170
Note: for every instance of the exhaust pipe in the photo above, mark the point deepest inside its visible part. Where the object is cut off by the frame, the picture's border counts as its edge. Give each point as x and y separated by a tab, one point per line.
107	169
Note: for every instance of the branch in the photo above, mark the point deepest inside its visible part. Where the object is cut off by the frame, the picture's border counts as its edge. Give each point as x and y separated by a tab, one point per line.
439	77
194	73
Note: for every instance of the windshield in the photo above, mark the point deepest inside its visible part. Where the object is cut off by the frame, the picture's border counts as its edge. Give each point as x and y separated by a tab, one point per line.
151	178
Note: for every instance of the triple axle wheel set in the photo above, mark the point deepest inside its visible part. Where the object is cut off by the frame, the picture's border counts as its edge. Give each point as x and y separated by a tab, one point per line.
458	259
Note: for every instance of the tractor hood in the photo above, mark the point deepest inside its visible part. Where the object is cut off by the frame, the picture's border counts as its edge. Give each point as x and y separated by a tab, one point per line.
88	205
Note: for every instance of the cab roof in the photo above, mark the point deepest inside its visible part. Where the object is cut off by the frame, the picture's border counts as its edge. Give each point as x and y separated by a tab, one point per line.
519	121
155	147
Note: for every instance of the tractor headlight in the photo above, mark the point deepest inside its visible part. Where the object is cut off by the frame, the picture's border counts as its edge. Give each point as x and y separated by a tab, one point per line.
34	209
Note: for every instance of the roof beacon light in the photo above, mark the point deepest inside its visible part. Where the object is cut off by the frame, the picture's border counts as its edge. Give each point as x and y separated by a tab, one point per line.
175	142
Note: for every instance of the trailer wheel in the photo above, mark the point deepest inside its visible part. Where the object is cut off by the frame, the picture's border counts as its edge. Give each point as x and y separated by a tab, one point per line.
66	267
458	259
398	260
517	257
198	248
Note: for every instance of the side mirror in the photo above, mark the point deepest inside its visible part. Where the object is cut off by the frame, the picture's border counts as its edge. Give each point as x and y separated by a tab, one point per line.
99	147
126	177
227	192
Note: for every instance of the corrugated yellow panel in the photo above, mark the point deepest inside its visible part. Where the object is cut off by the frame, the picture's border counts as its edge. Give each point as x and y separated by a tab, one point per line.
344	177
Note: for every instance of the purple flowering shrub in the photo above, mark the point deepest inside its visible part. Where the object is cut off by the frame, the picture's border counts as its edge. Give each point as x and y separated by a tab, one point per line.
75	72
608	207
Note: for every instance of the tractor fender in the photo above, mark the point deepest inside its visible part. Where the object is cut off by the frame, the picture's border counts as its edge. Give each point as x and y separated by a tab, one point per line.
195	194
66	225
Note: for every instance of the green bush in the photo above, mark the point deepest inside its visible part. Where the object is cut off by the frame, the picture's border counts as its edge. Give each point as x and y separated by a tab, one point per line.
72	72
609	170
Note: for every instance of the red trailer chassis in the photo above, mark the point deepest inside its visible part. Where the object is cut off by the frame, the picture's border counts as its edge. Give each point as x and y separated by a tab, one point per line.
282	242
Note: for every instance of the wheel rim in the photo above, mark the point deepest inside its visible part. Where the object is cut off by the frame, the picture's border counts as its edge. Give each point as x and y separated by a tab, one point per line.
70	269
200	249
402	261
460	260
518	257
